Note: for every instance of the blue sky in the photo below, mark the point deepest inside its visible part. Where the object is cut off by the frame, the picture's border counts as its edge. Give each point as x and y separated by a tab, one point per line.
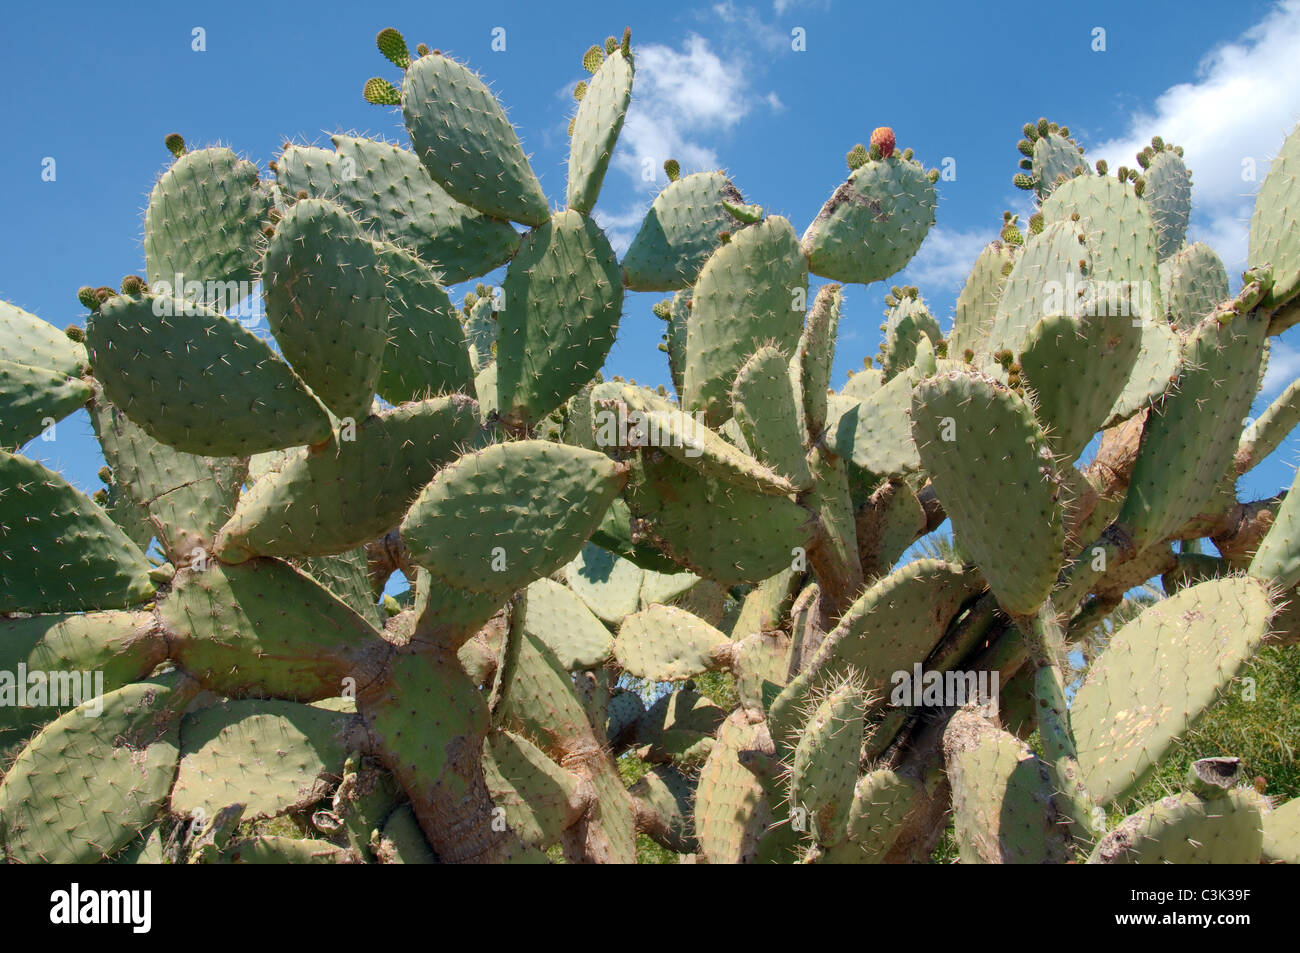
718	85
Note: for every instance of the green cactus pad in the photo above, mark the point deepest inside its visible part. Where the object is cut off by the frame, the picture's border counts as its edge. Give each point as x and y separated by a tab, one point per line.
563	300
263	628
907	322
682	437
33	398
461	134
771	415
666	644
1077	368
326	304
679	728
204	222
1155	369
1054	156
862	384
328	500
664	799
1185	451
347	576
731	809
387	189
1158	674
876	433
502	517
750	293
993	470
1039	284
680	232
482	327
882	800
538	796
426	352
199	382
1277	560
1192	282
559	619
277	849
873	224
188	498
980	298
1184	829
1004	808
1168	192
825	766
816	355
123	647
60	552
1273	239
715	528
26	339
596	128
1282	834
609	585
271	756
89	783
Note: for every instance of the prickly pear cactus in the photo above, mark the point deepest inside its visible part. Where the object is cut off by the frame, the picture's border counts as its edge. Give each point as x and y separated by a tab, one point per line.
633	618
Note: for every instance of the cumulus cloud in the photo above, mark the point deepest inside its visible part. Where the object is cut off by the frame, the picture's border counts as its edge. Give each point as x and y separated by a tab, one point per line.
1283	367
941	266
1231	118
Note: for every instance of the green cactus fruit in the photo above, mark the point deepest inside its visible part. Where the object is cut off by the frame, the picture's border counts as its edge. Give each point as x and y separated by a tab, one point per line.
824	769
270	756
558	618
601	112
1192	282
593	58
665	644
540	798
326	304
263	628
1004	807
1273	239
204	223
393	45
187	498
327	501
158	361
492	521
34	398
1184	829
563	300
1168	192
1158	674
1184	451
26	339
751	292
873	224
380	92
461	134
715	528
95	777
680	231
1077	367
61	552
175	144
981	444
75	651
882	138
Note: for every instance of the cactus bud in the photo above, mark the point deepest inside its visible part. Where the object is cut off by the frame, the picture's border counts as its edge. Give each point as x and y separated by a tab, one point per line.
1044	127
75	332
1157	144
86	295
672	169
907	154
380	92
592	59
611	44
133	285
105	474
100	497
393	45
103	293
580	90
724	237
1102	166
968	355
421	49
1026	148
1036	223
883	136
175	144
1022	181
933	176
857	157
1030	131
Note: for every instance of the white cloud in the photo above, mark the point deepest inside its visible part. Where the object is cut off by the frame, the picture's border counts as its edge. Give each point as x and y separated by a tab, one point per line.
944	261
621	227
680	96
1245	100
1283	367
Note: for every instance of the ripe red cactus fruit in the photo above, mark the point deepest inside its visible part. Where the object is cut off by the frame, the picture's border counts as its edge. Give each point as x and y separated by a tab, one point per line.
883	136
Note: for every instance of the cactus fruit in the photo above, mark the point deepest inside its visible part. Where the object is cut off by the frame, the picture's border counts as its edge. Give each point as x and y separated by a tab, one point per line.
688	616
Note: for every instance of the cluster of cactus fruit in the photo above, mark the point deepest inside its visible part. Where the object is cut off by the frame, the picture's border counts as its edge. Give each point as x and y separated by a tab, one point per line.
570	539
